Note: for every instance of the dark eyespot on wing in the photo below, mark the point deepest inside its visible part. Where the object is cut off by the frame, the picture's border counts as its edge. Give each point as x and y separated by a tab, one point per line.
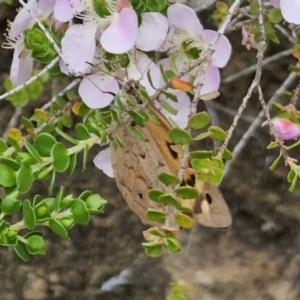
191	180
173	153
208	198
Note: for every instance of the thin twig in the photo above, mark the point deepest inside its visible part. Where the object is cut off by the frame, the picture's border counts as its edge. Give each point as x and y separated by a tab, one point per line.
251	69
30	80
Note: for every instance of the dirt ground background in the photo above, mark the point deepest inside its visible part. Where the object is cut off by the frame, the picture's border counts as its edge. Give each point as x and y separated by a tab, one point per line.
257	259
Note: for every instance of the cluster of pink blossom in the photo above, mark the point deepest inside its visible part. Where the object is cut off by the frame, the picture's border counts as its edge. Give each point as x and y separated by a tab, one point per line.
116	30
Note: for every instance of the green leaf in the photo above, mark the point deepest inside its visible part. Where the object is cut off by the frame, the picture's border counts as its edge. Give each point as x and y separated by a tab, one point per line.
168	107
10	205
24	179
172	245
115	115
80	212
253	8
119	103
275	15
60	156
11	163
183	220
152	249
170	96
134	132
291	175
294	184
155	231
217	133
66	136
201	154
60	101
59	229
7	176
3	146
156	215
58	198
27	123
201	136
168	199
199	164
95	202
51	183
296	51
275	162
145	95
67	120
67	222
227	155
44	173
71	168
34	153
85	157
82	132
199	120
29	218
42	212
138	118
34	244
153	194
44	143
21	251
168	178
179	136
187	192
66	201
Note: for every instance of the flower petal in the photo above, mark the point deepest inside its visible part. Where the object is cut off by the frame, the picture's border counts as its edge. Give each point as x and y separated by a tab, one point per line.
285	129
223	50
183	17
211	80
46	7
103	162
64	10
21	66
154	25
121	35
78	46
290	10
23	20
97	91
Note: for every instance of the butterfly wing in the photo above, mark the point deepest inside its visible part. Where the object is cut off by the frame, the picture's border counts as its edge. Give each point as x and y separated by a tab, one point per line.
135	169
210	208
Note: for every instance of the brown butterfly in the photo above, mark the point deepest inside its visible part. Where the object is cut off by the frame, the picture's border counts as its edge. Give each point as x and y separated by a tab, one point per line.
136	167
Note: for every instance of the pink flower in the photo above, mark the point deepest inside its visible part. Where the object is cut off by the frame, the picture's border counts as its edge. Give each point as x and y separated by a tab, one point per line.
116	32
285	129
248	39
187	28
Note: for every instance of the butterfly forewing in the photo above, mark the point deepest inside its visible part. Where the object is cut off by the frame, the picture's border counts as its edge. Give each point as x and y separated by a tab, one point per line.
137	165
135	169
